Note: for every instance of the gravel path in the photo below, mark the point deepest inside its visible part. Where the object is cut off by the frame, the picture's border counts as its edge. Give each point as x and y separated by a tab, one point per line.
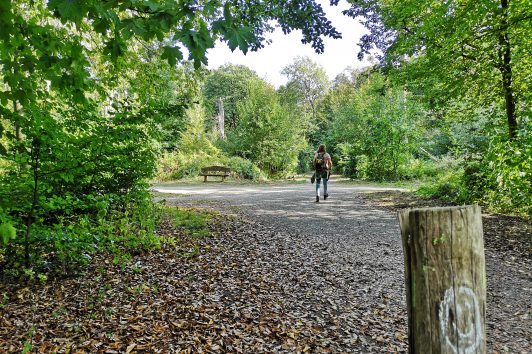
338	263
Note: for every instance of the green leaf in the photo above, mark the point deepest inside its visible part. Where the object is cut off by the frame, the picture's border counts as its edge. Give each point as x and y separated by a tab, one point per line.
7	233
133	26
101	25
197	42
239	37
227	14
69	10
172	54
6	19
115	48
154	7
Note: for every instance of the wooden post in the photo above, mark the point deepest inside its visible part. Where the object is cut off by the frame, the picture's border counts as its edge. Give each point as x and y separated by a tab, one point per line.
445	279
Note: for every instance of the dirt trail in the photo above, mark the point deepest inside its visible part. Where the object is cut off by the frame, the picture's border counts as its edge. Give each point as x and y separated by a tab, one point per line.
339	264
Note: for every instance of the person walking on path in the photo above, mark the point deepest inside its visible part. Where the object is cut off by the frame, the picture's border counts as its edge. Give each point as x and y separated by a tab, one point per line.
322	165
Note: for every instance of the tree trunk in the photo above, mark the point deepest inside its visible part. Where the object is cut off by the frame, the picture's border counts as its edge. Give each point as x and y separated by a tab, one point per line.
506	71
220	119
30	217
17	126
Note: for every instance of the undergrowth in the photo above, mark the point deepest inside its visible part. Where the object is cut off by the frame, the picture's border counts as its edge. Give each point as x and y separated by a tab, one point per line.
68	246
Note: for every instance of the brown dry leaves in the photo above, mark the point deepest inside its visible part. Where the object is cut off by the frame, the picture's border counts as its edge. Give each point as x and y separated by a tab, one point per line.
229	297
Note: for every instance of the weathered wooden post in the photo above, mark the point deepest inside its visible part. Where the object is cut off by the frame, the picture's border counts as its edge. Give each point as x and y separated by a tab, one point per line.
445	279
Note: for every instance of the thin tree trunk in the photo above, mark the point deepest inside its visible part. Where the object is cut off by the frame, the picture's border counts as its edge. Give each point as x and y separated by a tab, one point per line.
506	71
17	126
31	215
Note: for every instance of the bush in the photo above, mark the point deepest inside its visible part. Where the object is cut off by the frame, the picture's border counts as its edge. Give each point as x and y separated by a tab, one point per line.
73	176
347	161
304	161
125	225
499	180
448	187
427	169
506	171
243	168
178	165
167	166
362	166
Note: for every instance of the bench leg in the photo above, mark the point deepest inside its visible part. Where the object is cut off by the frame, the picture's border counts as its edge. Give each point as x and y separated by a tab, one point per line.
204	179
223	178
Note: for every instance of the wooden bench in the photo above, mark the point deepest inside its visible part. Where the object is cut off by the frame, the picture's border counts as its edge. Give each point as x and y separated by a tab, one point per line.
215	171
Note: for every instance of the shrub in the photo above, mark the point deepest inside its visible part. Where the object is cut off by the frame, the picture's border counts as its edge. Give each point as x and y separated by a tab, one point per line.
506	169
346	160
178	165
70	182
243	168
427	169
125	225
448	187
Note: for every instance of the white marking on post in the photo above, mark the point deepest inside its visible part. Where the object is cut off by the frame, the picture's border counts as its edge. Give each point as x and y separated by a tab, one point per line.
459	316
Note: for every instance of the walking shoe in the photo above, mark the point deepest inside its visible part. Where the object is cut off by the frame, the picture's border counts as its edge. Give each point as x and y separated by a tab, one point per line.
317	199
325	196
312	179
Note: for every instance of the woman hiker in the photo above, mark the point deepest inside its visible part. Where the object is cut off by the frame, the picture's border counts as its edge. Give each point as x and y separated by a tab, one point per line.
323	166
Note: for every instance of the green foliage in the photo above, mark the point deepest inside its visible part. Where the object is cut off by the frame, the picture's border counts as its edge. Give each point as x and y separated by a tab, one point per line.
454	48
197	150
194	223
506	171
448	187
307	83
499	179
348	164
373	130
125	226
268	134
194	140
190	165
421	169
229	83
89	155
494	170
165	93
242	168
7	233
53	40
66	171
176	165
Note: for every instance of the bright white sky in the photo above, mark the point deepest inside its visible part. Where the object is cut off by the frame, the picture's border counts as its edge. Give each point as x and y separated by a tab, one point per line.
269	61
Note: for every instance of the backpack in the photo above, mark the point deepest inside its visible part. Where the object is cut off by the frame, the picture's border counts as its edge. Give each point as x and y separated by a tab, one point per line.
319	162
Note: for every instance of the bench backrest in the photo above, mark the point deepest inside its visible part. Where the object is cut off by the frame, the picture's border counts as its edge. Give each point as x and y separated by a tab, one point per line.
215	169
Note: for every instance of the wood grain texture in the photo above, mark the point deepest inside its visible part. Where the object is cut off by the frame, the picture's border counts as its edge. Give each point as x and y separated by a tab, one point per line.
445	279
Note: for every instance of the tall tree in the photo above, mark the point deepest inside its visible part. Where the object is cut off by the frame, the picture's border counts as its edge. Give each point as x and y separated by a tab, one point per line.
309	81
231	84
268	133
457	44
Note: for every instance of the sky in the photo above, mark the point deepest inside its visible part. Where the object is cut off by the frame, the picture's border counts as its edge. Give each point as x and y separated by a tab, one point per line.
269	61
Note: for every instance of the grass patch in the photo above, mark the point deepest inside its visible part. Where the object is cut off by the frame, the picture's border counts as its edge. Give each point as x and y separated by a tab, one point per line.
192	225
191	220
